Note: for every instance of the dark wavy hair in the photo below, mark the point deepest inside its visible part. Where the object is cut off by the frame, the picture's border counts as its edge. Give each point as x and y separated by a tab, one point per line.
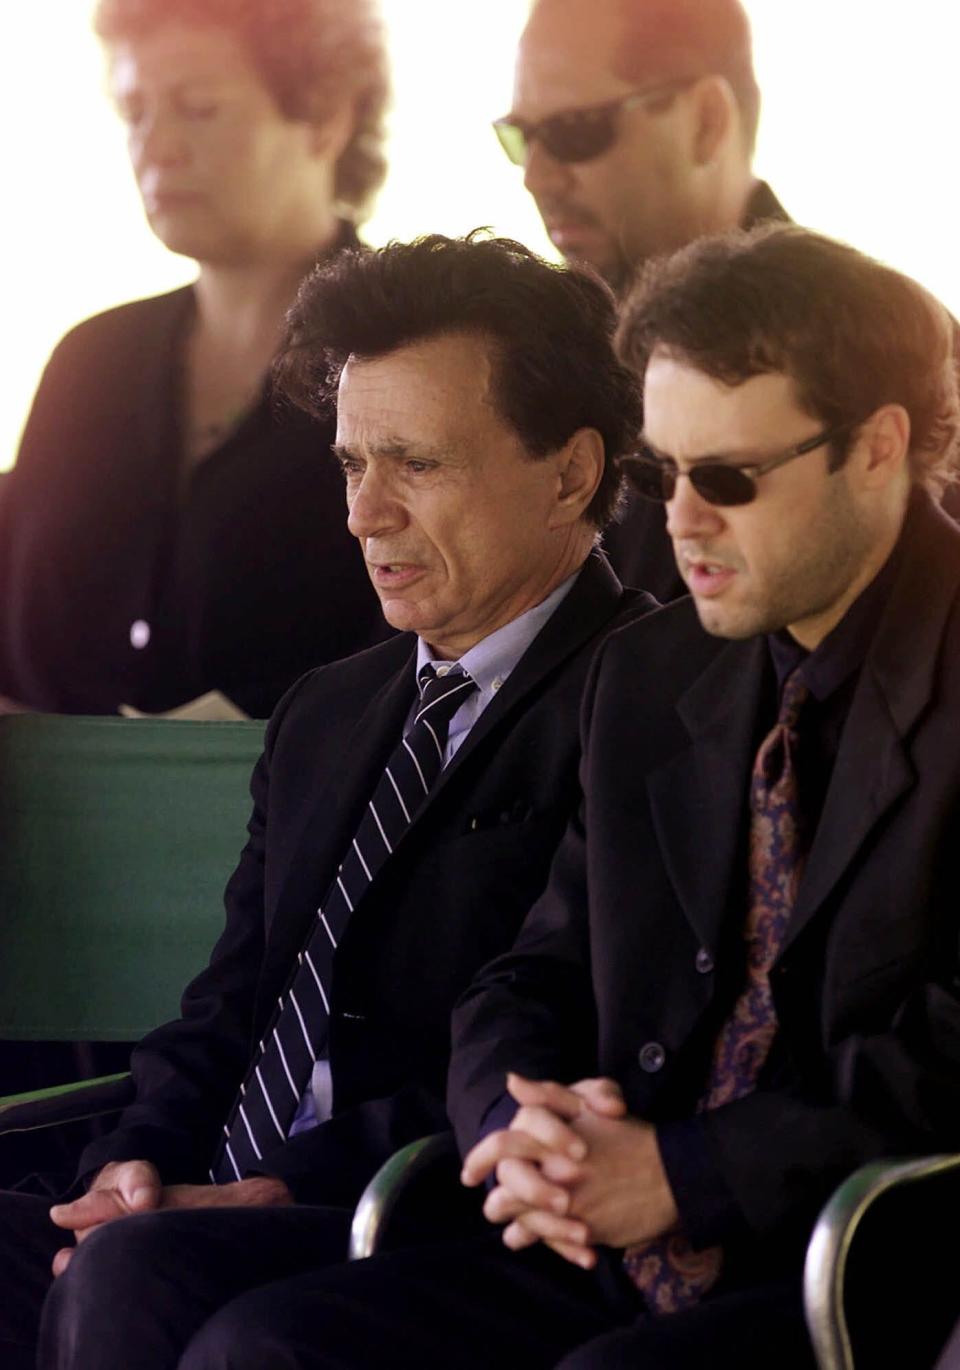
550	329
311	54
852	333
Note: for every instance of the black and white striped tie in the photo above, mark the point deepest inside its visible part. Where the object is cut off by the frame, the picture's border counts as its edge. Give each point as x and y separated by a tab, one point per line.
281	1069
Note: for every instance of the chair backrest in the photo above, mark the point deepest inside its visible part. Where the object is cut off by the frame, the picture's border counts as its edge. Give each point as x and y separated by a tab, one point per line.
117	837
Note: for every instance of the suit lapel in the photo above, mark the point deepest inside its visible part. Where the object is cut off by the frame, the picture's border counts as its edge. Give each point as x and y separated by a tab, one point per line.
333	811
873	768
592	602
698	798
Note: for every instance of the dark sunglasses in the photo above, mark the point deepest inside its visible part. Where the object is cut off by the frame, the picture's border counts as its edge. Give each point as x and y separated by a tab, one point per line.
718	482
577	135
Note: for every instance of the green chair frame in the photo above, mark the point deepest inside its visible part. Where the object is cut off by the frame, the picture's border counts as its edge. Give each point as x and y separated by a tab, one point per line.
828	1250
833	1238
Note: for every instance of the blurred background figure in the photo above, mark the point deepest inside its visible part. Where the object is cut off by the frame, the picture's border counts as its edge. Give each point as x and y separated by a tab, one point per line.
164	532
635	123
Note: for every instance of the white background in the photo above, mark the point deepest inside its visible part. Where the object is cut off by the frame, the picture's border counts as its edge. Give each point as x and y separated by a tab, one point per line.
857	138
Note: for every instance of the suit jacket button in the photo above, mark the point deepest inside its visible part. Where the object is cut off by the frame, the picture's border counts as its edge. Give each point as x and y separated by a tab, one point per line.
704	961
652	1057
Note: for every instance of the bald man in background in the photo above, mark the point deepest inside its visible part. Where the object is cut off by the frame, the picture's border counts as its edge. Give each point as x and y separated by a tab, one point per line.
635	123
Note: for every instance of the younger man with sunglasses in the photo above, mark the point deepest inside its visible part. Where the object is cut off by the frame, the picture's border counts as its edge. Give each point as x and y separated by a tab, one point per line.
635	121
742	981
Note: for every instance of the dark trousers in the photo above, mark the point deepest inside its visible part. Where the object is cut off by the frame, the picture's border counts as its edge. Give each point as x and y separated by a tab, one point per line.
474	1306
261	1289
138	1289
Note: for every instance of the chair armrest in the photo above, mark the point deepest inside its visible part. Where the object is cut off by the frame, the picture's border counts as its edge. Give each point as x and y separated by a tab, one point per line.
389	1184
65	1103
829	1248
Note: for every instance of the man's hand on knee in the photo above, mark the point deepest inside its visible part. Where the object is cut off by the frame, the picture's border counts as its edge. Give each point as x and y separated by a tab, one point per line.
120	1188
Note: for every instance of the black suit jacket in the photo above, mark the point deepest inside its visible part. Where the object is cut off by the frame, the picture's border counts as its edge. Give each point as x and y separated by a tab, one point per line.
245	572
629	962
452	895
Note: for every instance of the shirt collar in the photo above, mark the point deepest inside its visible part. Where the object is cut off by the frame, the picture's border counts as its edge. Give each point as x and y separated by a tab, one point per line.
492	659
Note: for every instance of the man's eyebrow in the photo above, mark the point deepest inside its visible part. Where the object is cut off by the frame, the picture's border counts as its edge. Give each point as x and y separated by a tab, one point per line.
395	449
745	458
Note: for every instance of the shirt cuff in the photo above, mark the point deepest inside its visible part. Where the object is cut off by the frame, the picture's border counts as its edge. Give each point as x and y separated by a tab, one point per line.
709	1213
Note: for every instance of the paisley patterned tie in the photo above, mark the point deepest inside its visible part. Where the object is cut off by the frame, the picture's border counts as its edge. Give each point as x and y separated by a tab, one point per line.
669	1273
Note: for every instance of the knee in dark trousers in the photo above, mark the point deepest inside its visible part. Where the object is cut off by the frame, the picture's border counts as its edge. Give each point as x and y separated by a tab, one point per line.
128	1286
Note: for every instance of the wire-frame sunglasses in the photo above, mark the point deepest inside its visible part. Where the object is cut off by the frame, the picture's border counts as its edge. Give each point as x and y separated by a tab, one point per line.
718	482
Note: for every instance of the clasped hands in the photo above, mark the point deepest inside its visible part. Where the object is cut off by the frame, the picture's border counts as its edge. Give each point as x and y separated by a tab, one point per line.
573	1171
123	1188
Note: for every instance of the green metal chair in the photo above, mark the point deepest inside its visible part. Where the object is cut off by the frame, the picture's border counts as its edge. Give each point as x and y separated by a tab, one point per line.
882	1219
416	1196
882	1248
116	839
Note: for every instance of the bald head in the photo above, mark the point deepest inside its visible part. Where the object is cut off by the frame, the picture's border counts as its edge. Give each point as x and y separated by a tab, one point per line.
677	165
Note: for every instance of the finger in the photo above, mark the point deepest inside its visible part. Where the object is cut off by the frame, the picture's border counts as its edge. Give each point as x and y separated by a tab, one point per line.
527	1183
98	1206
502	1204
603	1095
560	1099
546	1227
518	1238
482	1161
61	1260
139	1186
547	1128
583	1256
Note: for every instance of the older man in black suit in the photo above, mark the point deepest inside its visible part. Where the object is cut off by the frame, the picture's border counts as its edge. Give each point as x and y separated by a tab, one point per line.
406	808
743	978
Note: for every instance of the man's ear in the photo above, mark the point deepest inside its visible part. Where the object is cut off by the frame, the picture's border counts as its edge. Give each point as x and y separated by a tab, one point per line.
883	448
329	137
579	466
715	115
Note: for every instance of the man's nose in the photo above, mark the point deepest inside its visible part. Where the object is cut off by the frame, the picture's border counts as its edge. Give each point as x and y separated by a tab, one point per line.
543	174
689	515
372	507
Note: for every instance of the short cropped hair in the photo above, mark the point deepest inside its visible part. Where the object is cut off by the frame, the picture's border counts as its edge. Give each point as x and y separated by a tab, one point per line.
550	329
679	39
852	333
311	55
